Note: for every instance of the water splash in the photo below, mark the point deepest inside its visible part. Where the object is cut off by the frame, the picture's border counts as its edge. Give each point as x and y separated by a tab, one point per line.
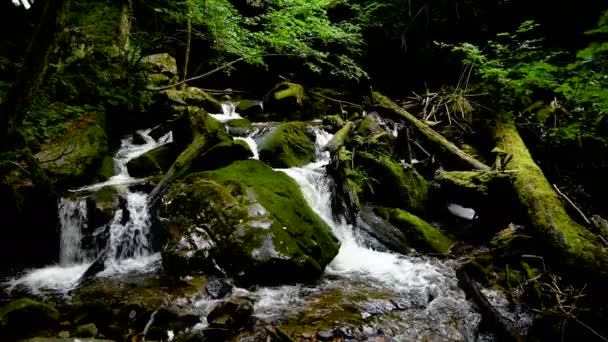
73	219
228	112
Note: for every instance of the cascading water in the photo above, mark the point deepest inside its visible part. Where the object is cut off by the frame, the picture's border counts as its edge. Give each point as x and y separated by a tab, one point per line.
228	112
128	242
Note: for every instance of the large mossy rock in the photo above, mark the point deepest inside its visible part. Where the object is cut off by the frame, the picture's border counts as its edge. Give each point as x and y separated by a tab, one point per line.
288	145
394	184
419	234
161	63
73	158
250	220
222	154
25	317
158	160
191	96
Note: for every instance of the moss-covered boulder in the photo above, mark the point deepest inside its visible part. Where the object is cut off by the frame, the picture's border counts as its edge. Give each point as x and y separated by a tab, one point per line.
23	318
73	158
419	234
250	220
222	154
250	109
161	63
106	170
333	123
369	125
239	127
288	145
393	184
156	161
191	96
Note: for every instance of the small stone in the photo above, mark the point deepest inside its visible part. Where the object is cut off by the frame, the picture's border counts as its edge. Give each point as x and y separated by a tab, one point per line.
306	336
325	335
86	330
218	288
64	334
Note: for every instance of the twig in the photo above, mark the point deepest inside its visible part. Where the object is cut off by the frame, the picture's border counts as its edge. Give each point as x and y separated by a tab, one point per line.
422	148
149	324
572	204
336	100
213	72
21	167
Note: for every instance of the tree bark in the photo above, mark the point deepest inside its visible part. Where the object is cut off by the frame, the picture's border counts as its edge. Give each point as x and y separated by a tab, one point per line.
572	245
35	63
122	40
443	146
188	44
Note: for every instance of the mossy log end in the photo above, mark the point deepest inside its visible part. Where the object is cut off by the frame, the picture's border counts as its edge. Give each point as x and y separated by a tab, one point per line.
575	246
339	138
441	144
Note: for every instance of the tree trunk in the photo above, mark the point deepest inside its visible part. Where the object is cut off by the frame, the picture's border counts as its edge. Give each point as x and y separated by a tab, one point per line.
188	43
121	42
443	146
571	244
35	63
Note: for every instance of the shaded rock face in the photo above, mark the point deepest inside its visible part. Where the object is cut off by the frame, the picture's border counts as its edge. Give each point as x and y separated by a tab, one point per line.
396	185
73	158
25	318
248	219
288	145
161	63
191	96
158	160
222	154
418	234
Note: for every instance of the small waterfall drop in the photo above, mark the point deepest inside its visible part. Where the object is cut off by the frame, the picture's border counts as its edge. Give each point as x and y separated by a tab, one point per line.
128	232
228	112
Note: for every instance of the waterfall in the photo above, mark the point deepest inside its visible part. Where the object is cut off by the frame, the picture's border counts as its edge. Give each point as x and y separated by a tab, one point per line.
128	241
73	218
228	112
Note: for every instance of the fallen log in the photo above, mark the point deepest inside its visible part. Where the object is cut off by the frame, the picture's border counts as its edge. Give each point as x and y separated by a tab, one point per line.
339	138
441	144
574	246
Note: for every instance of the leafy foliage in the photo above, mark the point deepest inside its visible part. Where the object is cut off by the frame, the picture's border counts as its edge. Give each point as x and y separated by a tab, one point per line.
297	28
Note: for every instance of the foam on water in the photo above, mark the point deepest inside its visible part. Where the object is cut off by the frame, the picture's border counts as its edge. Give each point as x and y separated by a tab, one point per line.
228	112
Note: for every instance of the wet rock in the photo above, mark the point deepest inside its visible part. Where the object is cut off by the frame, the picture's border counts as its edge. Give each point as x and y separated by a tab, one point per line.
377	228
325	335
191	96
222	154
74	157
333	123
250	220
251	109
239	127
233	314
397	185
218	288
288	145
86	330
25	318
418	233
106	171
156	161
161	63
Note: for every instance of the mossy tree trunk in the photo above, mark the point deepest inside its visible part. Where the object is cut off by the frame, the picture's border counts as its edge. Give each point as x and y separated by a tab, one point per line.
35	63
447	149
570	244
121	42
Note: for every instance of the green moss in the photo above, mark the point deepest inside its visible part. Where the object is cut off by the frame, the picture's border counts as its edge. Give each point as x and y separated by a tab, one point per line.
239	123
333	122
25	317
288	145
369	126
291	90
397	185
158	160
107	168
419	234
222	155
75	156
261	227
162	64
192	96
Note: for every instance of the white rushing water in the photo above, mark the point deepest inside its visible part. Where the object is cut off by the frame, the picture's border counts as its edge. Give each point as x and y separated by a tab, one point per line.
129	230
358	268
228	112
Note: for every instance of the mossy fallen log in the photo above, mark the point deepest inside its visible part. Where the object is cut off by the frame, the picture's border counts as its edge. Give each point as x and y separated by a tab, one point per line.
339	138
443	146
573	245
